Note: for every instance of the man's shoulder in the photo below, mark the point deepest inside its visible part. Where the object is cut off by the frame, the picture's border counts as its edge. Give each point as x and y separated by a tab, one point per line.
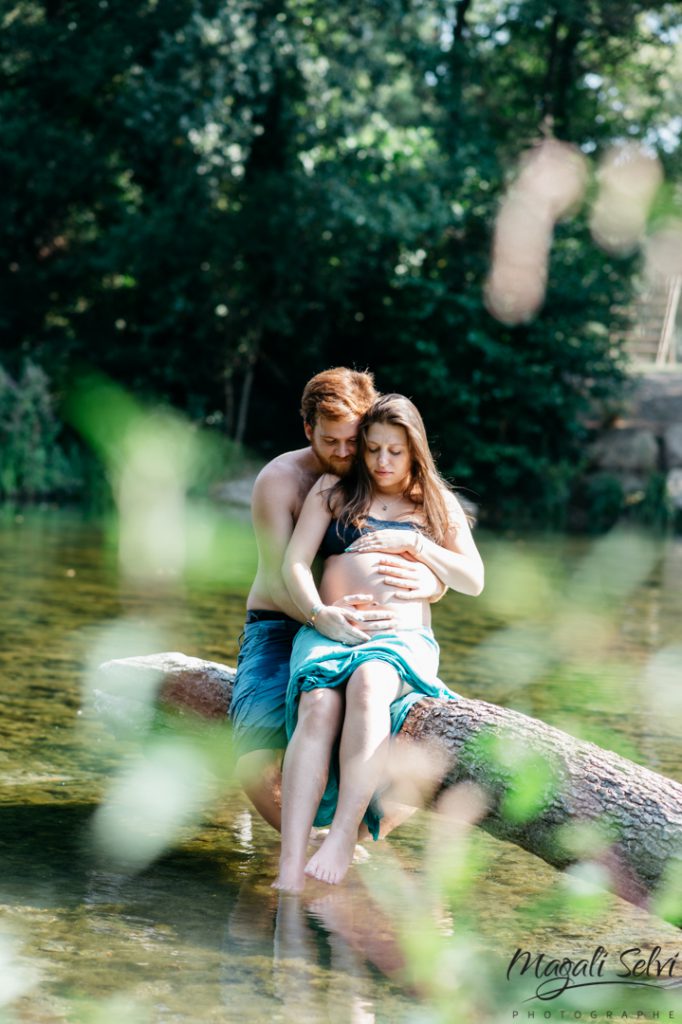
285	480
289	466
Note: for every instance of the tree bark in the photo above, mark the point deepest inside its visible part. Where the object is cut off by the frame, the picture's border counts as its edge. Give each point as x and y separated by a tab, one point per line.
639	810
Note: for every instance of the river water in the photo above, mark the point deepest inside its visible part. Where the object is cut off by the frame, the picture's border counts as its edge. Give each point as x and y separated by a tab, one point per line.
583	634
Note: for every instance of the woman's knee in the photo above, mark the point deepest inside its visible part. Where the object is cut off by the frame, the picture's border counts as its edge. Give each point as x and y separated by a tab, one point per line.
321	708
373	683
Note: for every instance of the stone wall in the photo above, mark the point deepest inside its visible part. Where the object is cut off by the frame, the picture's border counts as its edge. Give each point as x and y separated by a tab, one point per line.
642	446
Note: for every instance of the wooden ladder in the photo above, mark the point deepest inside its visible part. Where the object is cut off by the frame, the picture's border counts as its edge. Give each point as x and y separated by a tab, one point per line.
651	338
666	352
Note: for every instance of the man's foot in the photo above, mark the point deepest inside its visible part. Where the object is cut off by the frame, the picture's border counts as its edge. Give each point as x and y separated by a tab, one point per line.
361	854
331	862
290	879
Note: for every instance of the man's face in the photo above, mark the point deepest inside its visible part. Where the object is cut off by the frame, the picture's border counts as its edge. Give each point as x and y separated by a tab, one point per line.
334	442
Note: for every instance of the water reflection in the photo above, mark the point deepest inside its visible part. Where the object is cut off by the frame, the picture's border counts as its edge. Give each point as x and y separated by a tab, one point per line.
333	954
99	932
201	933
198	934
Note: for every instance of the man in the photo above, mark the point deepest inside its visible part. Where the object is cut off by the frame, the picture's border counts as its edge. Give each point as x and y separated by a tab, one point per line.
332	406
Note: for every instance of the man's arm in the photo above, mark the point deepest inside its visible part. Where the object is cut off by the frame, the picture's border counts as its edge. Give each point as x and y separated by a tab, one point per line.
272	505
457	562
335	622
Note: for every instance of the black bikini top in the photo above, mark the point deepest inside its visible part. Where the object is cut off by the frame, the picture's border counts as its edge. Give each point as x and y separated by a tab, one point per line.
339	534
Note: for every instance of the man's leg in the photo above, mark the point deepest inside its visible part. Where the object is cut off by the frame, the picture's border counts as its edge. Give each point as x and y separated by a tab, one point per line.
394	814
260	777
257	711
362	756
304	777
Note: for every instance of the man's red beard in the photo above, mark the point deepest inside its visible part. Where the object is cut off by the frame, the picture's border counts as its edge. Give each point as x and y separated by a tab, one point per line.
334	465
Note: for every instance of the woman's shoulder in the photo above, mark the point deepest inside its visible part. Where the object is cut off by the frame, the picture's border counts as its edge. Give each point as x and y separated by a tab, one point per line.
458	516
325	491
452	502
327	482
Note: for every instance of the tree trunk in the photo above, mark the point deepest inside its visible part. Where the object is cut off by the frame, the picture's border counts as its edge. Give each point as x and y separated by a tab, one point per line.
546	99
457	58
639	810
562	43
240	429
461	11
565	79
228	390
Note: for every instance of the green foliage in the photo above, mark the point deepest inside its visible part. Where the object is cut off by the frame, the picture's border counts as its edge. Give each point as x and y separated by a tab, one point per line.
603	503
33	463
160	469
210	202
601	495
655	507
668	901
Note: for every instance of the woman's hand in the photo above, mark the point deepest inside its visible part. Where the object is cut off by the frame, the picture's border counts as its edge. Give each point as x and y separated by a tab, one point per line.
410	580
374	617
388	542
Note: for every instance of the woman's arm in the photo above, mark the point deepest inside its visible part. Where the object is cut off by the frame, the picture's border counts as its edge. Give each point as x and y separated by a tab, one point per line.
457	563
331	621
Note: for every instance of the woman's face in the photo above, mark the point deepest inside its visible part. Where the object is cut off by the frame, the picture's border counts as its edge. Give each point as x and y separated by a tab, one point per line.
387	456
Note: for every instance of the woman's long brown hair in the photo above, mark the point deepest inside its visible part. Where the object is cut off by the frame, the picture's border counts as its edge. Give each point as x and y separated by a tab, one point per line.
350	499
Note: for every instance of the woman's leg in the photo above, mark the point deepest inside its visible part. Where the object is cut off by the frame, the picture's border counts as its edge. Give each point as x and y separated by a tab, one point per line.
304	777
362	757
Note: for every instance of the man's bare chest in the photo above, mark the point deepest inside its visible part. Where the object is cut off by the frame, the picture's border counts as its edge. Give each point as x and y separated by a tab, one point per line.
305	484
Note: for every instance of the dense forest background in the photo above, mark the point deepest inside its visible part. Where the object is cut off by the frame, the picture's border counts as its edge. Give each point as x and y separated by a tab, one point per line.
209	202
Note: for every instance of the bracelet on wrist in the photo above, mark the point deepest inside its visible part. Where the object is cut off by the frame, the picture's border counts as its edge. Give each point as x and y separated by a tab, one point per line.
314	612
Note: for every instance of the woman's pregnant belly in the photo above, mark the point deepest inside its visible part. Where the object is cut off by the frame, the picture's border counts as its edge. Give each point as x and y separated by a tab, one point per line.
352	573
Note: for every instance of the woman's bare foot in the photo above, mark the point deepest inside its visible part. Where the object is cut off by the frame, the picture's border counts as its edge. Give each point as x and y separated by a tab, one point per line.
318	836
291	877
331	862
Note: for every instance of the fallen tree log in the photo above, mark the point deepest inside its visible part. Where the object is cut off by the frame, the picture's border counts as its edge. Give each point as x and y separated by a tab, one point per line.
635	813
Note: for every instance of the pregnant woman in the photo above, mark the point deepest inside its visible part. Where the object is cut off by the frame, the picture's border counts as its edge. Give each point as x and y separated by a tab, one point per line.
392	502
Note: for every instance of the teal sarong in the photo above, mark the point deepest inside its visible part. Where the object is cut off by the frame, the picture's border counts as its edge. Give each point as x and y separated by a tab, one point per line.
318	661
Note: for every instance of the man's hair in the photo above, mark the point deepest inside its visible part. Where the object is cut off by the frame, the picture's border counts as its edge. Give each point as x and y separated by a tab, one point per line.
338	394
